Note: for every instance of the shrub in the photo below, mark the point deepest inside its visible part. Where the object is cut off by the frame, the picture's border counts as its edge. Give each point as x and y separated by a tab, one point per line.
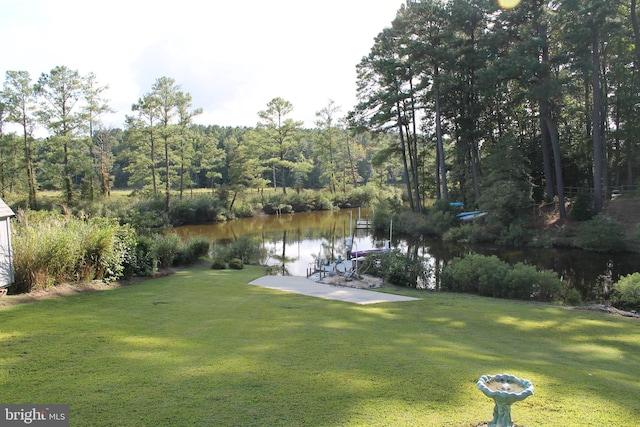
236	264
514	235
474	273
105	246
572	297
199	245
218	264
581	209
541	240
277	204
397	268
141	261
410	223
165	247
526	283
363	196
381	217
601	234
147	214
244	210
481	233
439	222
626	293
191	250
248	250
458	234
489	276
198	209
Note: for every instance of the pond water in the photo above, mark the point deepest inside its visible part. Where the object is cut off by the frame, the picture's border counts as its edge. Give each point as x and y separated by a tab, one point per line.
294	241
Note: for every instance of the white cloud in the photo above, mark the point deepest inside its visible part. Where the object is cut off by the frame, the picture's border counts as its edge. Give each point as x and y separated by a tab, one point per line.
232	57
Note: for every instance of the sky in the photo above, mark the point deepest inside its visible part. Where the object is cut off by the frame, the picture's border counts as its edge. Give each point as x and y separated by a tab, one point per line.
232	56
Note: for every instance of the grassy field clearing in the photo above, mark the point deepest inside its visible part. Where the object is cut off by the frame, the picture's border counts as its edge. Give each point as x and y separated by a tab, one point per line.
202	348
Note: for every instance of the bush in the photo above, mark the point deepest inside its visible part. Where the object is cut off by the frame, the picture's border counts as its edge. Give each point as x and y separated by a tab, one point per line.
626	293
236	264
439	222
246	249
410	223
277	204
514	235
191	250
218	264
475	273
358	196
481	233
526	283
141	261
105	246
165	247
489	276
541	240
382	217
581	209
572	297
458	234
601	234
397	268
245	210
146	214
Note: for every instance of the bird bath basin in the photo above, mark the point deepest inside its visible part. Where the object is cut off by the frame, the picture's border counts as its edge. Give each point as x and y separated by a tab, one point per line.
505	390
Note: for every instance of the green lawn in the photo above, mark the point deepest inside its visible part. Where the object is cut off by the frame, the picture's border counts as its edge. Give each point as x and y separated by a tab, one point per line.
202	348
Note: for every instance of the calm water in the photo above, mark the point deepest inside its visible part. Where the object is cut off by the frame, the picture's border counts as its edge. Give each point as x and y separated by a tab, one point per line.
294	241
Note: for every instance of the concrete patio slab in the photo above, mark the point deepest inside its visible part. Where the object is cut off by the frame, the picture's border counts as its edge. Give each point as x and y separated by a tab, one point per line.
304	286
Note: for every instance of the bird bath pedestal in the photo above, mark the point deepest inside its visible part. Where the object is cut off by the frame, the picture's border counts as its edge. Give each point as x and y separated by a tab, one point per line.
504	390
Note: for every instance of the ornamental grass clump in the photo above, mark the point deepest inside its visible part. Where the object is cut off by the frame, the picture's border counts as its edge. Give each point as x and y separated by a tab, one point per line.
54	249
166	246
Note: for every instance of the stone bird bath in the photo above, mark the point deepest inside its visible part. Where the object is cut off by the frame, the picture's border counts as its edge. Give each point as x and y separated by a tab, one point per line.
505	390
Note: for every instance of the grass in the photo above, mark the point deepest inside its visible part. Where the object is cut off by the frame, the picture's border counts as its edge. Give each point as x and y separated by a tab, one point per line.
202	348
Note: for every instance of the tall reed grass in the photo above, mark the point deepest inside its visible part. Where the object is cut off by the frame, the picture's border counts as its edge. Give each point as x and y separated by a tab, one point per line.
52	249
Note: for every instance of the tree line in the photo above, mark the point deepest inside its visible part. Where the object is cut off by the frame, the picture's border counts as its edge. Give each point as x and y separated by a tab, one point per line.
458	100
160	151
489	103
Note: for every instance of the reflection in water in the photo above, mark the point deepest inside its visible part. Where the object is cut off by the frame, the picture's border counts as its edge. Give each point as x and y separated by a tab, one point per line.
294	241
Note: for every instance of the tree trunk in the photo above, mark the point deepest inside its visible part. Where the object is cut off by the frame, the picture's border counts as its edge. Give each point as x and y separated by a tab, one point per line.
636	38
414	151
474	169
352	166
284	184
555	144
404	158
167	185
68	184
33	203
153	164
596	125
273	173
543	105
440	145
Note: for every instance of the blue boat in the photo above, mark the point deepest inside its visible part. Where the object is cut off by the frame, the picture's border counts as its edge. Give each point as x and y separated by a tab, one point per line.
470	216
